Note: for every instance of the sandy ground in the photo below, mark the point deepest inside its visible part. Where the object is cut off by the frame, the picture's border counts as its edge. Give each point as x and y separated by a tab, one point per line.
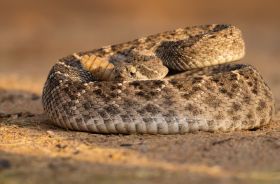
32	150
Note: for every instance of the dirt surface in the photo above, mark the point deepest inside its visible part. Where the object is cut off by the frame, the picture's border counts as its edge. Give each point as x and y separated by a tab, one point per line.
32	150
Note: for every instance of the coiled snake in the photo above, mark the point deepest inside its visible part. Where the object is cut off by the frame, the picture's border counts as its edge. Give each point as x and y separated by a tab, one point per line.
173	82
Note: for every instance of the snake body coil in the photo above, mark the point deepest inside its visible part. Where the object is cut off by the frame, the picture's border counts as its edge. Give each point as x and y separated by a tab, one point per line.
126	88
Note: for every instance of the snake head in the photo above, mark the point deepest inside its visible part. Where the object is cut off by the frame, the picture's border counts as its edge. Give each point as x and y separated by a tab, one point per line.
150	70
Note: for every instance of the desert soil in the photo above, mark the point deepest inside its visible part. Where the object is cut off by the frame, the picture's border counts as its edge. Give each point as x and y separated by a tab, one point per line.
33	150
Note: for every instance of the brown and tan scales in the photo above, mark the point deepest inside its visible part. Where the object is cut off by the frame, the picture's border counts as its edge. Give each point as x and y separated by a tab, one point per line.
173	82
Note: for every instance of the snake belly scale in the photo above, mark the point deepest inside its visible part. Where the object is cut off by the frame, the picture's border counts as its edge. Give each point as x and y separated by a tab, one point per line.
173	82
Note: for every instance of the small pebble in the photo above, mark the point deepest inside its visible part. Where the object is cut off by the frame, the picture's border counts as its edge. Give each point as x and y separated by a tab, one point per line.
5	164
53	165
61	146
76	152
50	133
35	97
125	145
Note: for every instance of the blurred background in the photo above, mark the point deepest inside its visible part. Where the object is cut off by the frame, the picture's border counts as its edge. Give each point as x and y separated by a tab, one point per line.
35	34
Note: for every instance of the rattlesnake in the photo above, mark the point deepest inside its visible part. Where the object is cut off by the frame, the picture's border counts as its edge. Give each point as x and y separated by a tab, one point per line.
127	88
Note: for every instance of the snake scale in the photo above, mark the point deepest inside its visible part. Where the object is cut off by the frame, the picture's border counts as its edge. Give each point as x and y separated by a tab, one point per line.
173	82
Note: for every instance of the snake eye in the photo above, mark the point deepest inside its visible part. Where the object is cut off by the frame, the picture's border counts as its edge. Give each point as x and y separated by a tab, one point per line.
138	66
132	74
